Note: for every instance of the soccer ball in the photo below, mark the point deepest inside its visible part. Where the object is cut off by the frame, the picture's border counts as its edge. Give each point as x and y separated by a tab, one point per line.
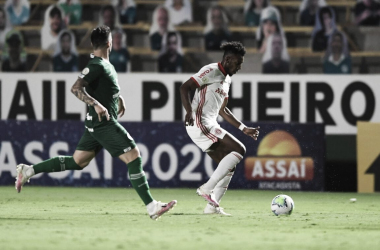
282	205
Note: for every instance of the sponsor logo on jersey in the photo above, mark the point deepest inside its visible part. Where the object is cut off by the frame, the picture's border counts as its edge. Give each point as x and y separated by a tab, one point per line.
127	149
205	79
88	117
205	73
221	92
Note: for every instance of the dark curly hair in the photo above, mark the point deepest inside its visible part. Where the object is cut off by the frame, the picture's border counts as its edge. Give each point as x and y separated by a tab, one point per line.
99	36
236	48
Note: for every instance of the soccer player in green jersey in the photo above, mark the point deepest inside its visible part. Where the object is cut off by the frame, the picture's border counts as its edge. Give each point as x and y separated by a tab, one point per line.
97	86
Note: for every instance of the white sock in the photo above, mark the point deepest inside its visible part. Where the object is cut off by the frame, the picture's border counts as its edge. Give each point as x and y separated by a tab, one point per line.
224	167
151	207
30	172
221	188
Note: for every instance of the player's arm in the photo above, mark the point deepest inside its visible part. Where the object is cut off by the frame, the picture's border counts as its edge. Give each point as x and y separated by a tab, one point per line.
185	90
231	119
121	108
79	90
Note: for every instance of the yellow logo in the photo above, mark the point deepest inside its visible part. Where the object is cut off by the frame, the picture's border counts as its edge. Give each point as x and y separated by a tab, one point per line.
279	157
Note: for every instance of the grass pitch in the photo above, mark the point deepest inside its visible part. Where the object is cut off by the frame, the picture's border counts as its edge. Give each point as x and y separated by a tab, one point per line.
110	218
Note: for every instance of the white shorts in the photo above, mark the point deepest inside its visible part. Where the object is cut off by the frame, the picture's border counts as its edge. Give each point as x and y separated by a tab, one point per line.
206	136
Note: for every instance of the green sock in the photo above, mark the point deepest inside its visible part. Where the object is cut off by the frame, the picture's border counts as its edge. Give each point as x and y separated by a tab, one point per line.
56	164
138	180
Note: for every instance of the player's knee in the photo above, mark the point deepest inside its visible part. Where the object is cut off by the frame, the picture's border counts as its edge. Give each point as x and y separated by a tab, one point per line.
241	149
83	164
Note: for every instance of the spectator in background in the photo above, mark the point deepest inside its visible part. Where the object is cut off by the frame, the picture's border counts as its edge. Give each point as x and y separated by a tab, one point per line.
308	10
276	57
270	23
14	53
53	24
367	13
216	31
337	59
180	11
324	27
160	26
252	11
4	27
109	17
127	11
72	10
171	60
65	56
119	56
18	11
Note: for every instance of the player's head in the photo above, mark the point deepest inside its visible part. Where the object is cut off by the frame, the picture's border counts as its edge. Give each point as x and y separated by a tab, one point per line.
101	38
233	57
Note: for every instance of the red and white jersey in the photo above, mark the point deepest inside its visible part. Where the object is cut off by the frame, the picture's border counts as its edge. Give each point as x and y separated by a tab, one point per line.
214	84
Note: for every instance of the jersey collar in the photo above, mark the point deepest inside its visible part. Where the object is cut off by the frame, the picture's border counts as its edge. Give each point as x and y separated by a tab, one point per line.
221	69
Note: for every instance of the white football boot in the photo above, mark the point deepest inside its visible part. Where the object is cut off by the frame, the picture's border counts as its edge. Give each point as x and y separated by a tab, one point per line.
209	197
22	175
157	208
210	209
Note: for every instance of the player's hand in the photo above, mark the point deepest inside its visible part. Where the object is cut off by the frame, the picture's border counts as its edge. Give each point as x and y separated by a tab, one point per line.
252	132
189	121
101	111
121	108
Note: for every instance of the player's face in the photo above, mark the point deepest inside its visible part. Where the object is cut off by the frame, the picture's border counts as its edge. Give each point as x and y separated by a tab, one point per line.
337	44
217	19
55	23
276	47
269	27
66	44
116	42
162	18
233	64
2	20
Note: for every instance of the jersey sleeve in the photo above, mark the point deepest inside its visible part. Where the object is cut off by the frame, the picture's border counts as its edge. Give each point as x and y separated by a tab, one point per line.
91	73
204	76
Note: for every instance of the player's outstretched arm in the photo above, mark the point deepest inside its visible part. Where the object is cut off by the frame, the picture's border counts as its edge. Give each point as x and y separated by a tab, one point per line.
185	90
78	89
231	119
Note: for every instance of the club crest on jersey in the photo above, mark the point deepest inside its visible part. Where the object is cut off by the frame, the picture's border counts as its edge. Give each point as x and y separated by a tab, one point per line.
205	72
85	71
221	92
204	79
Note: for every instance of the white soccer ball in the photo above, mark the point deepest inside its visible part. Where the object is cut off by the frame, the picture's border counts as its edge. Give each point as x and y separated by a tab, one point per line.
282	205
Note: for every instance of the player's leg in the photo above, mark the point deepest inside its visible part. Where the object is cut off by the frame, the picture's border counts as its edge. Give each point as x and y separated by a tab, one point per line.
56	164
120	144
140	184
86	150
228	152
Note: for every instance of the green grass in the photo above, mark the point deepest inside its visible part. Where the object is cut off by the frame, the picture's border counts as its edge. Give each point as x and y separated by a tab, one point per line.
108	218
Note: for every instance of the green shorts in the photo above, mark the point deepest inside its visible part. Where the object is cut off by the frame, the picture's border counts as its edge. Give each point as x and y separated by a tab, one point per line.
112	136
